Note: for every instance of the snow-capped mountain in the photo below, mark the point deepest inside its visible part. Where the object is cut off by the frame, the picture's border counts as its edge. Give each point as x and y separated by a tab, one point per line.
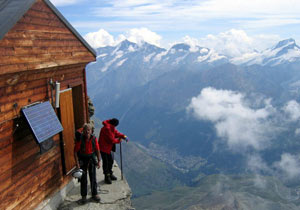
141	63
149	89
285	52
183	54
150	55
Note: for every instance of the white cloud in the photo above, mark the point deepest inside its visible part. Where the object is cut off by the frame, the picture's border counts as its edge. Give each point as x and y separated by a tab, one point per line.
257	165
140	35
236	43
292	109
204	51
235	121
297	131
64	2
289	164
254	7
177	15
204	9
232	43
100	38
192	42
288	167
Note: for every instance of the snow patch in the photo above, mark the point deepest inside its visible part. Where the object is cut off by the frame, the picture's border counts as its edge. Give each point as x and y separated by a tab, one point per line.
172	51
109	63
148	57
102	55
159	56
244	58
211	56
131	48
180	59
120	63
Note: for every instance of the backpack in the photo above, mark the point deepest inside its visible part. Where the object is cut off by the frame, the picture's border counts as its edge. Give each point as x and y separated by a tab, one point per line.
80	154
82	144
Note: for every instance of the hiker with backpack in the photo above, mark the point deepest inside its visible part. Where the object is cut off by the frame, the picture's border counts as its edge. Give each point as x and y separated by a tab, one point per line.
87	157
109	136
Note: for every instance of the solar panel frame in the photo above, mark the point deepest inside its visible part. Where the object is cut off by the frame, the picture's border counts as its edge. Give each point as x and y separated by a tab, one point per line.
42	120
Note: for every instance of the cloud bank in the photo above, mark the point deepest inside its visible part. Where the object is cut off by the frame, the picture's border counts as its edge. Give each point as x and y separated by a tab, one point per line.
233	43
237	43
242	126
58	3
235	121
193	15
292	109
102	38
289	165
238	122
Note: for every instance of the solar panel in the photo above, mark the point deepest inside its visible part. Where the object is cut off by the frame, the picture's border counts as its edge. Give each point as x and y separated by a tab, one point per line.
42	120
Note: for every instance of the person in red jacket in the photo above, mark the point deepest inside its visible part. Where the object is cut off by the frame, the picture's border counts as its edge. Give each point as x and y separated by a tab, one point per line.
87	157
109	136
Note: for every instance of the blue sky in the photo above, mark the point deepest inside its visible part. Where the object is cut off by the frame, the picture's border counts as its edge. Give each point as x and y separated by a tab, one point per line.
247	24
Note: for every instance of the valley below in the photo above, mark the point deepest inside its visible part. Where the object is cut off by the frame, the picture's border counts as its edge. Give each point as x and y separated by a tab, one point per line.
205	132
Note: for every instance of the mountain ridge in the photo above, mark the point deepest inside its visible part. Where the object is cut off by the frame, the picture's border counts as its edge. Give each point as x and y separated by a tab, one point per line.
150	89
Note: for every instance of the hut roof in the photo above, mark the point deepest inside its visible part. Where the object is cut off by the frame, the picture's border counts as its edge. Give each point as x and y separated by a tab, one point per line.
12	10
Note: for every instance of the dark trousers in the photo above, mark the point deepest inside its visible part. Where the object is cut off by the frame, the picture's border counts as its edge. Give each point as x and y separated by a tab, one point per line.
87	165
107	163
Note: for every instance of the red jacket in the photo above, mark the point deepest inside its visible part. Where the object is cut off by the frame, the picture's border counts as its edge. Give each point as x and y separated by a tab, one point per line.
88	146
109	136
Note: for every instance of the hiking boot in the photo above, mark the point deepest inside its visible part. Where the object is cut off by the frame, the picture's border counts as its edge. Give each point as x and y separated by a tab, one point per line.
96	198
83	200
113	177
107	179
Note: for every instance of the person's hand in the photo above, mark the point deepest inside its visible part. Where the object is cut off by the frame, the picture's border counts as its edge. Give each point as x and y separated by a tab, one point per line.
126	139
98	165
78	165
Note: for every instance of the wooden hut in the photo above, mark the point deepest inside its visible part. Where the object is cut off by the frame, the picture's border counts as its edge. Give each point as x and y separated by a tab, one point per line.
38	47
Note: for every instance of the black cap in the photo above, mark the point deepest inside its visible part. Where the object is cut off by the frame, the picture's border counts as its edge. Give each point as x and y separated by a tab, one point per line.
114	121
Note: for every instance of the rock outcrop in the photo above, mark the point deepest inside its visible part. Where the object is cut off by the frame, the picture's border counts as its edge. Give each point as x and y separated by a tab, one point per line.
113	197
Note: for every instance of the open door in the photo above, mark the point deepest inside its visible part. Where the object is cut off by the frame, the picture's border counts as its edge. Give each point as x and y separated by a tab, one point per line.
78	101
68	134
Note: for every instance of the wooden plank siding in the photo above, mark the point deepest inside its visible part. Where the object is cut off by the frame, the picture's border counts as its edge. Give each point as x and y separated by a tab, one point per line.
38	48
33	86
19	154
40	40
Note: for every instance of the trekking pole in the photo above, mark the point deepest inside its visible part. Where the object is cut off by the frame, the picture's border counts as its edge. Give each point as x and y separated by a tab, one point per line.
121	160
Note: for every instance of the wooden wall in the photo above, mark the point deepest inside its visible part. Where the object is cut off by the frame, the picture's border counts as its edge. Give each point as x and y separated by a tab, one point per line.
40	40
37	48
26	177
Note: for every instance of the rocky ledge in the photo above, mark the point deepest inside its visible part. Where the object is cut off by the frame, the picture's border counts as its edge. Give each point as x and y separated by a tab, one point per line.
115	196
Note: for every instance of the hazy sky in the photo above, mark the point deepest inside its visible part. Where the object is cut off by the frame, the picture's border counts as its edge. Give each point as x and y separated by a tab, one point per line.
256	23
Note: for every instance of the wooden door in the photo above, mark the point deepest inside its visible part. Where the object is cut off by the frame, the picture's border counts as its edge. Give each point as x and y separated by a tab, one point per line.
78	106
67	121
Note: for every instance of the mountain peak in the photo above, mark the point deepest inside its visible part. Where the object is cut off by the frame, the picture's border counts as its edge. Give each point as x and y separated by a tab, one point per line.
286	51
124	45
181	46
286	42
